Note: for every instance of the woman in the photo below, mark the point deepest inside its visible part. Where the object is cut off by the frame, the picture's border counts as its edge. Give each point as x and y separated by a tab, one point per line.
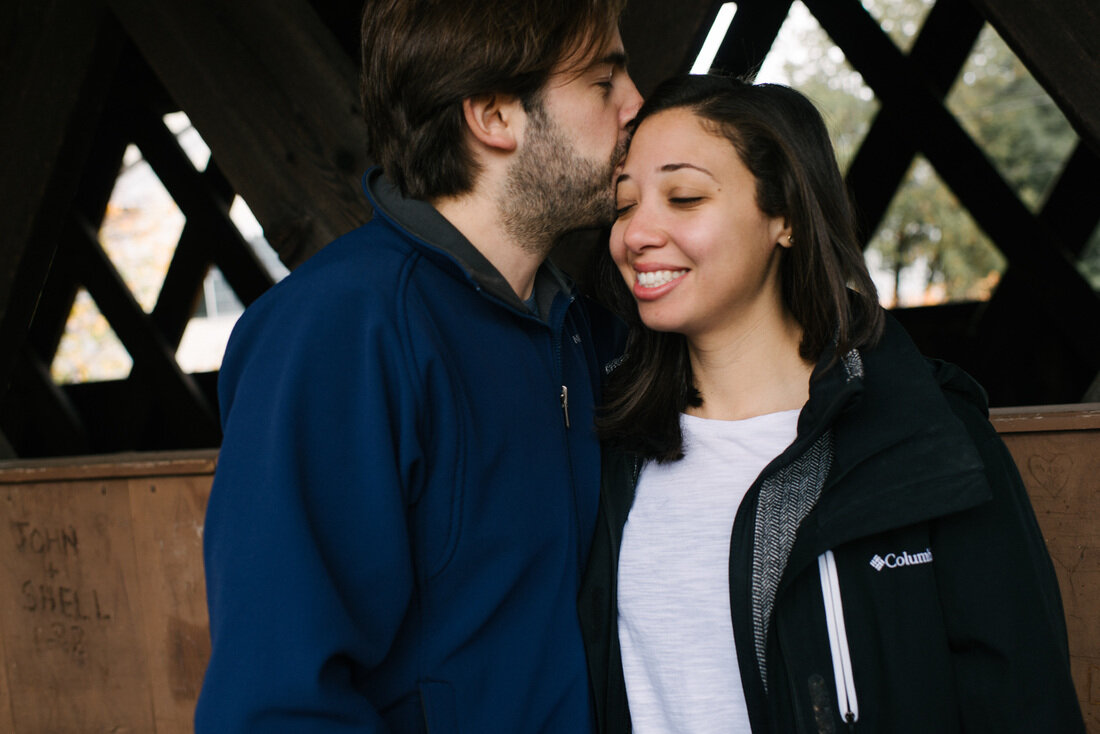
806	526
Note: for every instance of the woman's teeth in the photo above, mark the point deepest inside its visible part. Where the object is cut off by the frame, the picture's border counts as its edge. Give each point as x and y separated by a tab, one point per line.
658	277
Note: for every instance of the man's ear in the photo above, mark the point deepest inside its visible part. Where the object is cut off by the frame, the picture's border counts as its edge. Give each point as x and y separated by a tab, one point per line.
493	119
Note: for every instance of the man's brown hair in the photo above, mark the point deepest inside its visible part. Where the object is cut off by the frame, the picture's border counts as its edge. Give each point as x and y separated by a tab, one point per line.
421	58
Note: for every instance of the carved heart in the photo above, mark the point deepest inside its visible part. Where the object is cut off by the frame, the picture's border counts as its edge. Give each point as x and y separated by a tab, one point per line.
1051	472
1067	552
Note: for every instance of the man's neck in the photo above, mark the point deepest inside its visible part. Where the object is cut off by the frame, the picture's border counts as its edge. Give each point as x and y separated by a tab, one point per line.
477	218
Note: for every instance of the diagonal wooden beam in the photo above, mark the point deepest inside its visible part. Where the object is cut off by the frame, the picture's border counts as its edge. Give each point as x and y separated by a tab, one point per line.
1060	44
884	157
750	36
1073	205
1033	248
55	67
203	200
154	359
663	38
45	422
276	100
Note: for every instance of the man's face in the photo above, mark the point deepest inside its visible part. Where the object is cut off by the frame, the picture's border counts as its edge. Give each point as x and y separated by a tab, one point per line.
575	135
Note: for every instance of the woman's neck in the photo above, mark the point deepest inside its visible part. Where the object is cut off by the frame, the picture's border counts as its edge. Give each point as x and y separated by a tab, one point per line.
752	369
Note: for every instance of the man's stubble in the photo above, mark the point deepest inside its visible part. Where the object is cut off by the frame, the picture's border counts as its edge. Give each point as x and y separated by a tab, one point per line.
551	190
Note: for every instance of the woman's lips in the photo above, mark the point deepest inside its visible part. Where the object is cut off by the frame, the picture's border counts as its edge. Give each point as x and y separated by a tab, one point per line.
654	282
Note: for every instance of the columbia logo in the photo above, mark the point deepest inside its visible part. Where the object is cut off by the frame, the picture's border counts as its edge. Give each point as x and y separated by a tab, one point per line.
897	560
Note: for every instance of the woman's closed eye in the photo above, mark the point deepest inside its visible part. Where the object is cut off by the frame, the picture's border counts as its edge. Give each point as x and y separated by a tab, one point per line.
685	201
622	208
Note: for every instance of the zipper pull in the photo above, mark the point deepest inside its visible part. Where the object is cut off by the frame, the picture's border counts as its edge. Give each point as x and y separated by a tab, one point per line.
565	404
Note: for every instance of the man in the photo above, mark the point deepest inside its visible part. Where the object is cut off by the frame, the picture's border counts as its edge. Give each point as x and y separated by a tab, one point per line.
408	482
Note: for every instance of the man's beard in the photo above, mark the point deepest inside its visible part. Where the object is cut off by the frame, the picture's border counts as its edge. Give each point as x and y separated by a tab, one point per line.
551	190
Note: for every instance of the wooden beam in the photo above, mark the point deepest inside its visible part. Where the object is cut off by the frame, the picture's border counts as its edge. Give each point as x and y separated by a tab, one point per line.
274	97
55	305
203	200
55	66
1036	250
153	357
884	157
1022	355
750	36
182	287
1060	44
1073	205
663	38
49	424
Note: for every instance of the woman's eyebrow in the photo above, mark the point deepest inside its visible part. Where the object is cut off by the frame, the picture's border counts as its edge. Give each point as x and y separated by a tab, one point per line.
669	167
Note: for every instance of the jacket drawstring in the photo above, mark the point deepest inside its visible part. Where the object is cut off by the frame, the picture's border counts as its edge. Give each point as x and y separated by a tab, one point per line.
838	638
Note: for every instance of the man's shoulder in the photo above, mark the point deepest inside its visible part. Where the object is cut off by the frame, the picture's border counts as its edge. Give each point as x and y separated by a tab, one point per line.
372	252
365	263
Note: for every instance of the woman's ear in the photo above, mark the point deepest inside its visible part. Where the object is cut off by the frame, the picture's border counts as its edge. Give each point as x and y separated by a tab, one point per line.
493	120
783	236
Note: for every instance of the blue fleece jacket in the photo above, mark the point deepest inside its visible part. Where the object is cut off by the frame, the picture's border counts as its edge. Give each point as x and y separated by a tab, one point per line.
404	499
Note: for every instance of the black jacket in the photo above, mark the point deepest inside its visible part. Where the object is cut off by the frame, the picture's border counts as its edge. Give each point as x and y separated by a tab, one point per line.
953	616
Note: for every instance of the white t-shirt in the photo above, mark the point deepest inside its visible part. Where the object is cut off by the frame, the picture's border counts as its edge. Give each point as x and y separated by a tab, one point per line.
675	631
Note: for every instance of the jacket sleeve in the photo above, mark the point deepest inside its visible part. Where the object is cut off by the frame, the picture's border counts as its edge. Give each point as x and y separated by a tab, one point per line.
1002	606
308	567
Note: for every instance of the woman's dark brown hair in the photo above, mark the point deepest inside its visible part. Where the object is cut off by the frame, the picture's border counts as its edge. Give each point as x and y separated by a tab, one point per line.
780	137
421	58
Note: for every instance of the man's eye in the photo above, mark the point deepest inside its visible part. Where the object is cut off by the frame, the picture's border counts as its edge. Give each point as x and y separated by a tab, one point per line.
621	209
685	200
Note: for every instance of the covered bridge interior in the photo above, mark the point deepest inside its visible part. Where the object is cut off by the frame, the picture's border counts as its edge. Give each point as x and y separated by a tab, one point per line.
271	89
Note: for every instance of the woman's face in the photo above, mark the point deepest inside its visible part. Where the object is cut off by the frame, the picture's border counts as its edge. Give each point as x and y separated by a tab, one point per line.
689	239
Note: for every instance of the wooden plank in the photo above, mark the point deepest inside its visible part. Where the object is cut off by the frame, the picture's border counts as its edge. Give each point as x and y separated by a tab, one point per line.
275	98
1059	466
6	719
1060	44
167	514
1042	418
104	627
55	67
71	609
124	465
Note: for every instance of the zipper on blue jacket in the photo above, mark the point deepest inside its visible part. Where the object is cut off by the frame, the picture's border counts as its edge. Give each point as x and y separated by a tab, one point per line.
838	638
556	321
557	328
565	404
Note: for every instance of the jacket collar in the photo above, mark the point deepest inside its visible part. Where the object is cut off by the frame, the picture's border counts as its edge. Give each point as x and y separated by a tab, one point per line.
901	456
424	223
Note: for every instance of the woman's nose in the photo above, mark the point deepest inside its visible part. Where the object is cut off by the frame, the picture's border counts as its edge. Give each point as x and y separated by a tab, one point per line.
643	231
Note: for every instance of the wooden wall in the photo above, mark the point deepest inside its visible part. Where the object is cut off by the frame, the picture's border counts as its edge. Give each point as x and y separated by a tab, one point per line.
103	616
1057	450
103	612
